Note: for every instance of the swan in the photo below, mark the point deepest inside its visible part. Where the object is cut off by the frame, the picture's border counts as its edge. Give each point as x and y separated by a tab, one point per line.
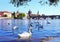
48	22
15	27
25	35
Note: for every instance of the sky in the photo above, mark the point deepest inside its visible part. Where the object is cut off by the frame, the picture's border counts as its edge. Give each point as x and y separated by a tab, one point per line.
34	6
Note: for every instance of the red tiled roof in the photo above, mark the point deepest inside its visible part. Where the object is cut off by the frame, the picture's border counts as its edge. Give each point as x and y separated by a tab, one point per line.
1	13
6	12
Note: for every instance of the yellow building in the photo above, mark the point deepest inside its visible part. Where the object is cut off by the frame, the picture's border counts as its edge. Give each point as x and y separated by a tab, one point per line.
8	14
25	16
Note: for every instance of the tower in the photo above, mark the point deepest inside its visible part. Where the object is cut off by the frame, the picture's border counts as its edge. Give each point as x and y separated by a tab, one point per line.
29	13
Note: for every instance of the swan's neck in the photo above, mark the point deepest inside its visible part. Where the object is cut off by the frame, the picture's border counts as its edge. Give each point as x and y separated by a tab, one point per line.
30	30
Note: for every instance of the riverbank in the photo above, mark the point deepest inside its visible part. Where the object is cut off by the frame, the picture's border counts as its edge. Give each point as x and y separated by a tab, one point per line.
55	40
48	39
5	18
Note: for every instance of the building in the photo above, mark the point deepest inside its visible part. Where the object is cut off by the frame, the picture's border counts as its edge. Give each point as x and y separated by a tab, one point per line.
1	14
9	15
17	13
5	14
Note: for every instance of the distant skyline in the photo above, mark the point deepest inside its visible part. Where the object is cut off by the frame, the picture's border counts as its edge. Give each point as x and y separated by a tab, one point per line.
34	6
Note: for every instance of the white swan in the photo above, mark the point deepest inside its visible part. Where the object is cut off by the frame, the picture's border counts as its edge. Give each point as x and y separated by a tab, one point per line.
48	22
25	35
15	27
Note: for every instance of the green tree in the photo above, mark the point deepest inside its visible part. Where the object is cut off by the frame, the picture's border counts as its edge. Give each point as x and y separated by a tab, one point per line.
21	15
24	2
17	3
50	2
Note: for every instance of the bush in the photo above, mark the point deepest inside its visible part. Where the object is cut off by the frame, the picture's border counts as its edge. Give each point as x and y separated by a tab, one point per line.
21	15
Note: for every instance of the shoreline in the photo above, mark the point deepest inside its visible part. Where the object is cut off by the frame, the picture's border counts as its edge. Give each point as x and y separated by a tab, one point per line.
11	39
5	18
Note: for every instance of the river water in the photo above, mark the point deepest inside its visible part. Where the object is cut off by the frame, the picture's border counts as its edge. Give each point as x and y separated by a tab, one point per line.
51	29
